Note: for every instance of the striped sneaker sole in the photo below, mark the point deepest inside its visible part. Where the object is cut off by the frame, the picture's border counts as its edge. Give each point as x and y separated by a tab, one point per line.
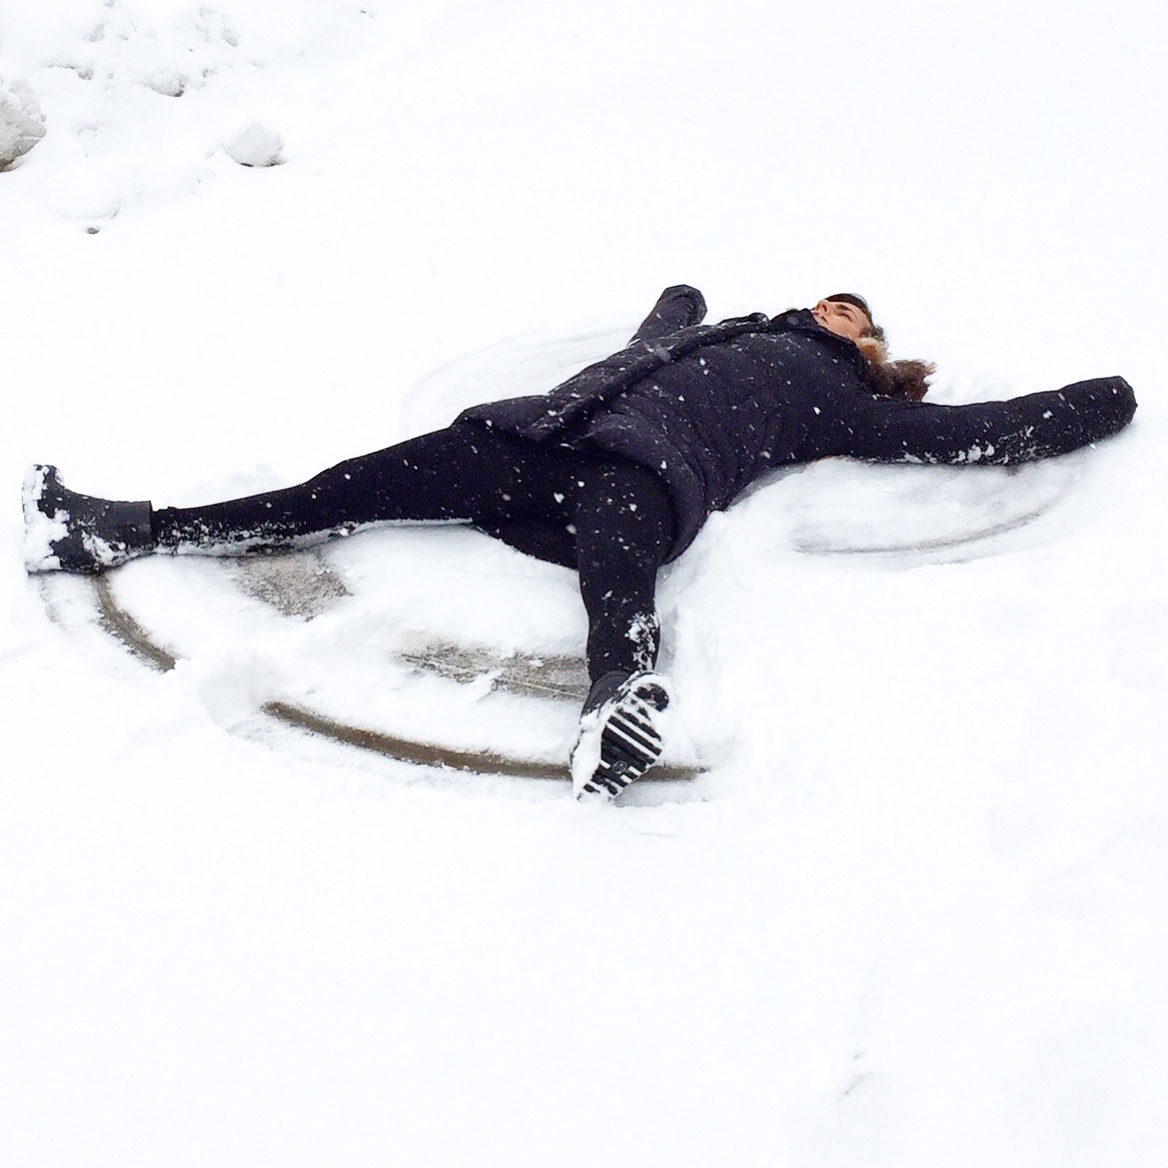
630	742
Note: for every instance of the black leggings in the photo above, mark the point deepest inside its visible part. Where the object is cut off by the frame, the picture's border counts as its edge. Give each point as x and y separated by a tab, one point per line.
610	520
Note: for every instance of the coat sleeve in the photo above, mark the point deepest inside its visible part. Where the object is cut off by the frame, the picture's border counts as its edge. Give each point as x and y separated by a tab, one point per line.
677	307
1037	425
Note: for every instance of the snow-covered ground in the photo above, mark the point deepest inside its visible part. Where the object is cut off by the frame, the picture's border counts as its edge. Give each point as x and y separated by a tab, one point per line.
913	915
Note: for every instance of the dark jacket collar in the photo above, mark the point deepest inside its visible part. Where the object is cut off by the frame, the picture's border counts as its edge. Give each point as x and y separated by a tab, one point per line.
800	320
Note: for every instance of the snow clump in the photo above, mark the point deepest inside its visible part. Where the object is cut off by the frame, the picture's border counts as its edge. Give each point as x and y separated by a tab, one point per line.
22	124
40	530
256	145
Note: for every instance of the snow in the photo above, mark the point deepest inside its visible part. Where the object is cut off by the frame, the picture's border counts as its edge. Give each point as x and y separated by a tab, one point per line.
256	145
913	913
22	124
40	532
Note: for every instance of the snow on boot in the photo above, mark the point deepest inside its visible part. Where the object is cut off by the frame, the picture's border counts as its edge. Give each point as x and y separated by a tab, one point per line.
620	738
68	532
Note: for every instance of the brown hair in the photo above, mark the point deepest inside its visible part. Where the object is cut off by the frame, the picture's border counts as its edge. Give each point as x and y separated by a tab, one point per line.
906	380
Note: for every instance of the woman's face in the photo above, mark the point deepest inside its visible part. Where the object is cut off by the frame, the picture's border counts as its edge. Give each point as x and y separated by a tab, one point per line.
841	318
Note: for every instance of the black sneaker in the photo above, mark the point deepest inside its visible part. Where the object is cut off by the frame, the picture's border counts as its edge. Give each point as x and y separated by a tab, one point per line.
68	532
620	737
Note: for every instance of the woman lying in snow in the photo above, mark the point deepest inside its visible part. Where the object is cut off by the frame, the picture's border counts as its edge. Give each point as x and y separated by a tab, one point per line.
613	473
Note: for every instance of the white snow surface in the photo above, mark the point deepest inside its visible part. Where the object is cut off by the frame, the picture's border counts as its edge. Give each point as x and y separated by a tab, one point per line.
913	915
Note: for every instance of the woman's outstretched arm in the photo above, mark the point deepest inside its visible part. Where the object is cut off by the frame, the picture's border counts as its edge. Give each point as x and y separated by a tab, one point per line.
677	307
1037	425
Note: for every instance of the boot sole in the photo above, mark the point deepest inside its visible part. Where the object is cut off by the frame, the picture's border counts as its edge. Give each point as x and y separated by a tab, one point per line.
630	742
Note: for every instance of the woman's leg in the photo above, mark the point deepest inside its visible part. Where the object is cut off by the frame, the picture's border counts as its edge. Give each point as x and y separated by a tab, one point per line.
624	529
452	475
611	520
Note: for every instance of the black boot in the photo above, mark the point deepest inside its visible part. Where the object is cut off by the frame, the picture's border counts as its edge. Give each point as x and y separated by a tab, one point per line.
68	532
620	733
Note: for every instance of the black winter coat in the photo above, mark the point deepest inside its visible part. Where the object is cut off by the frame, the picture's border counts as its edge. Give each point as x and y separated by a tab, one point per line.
709	408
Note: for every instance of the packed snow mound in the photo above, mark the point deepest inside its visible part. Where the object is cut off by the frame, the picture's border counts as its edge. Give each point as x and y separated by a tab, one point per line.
22	123
118	47
256	145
